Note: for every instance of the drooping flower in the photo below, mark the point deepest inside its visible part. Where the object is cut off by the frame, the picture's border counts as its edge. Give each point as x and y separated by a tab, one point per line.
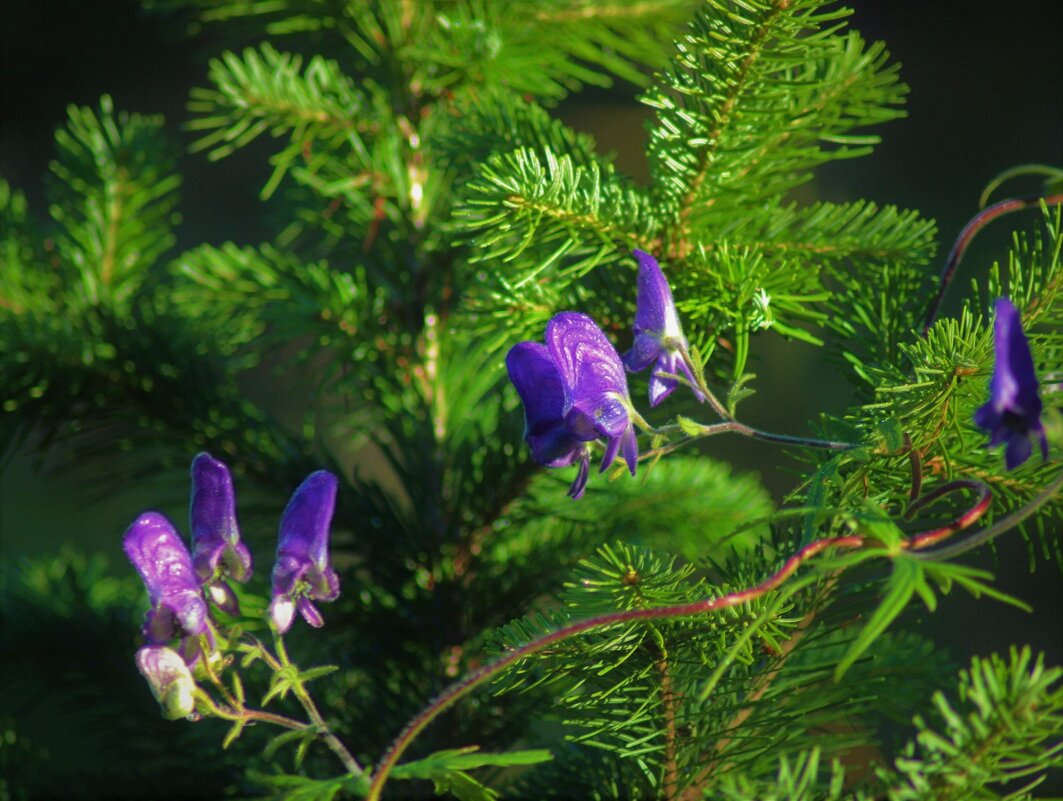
597	403
177	605
1013	412
538	382
302	573
659	337
170	680
217	552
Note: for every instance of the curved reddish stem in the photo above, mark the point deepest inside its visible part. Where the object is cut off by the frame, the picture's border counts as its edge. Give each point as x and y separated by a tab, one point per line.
967	519
463	687
977	223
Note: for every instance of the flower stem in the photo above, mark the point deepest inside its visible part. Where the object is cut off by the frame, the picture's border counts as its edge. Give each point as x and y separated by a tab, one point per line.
976	223
703	386
735	427
999	527
323	729
460	689
238	712
730	424
455	692
270	717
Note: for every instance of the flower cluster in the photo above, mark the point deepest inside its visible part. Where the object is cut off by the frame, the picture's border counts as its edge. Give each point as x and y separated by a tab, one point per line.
574	387
180	583
575	391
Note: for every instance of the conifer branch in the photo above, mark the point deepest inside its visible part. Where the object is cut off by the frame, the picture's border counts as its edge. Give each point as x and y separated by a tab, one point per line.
622	10
460	689
722	118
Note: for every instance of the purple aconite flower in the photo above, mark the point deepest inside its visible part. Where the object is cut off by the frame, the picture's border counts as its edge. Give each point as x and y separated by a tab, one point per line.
217	551
659	337
170	680
1013	412
574	391
538	382
596	396
302	573
157	552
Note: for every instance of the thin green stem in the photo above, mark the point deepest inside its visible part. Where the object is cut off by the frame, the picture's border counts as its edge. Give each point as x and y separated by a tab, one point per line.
732	425
237	712
323	729
703	387
270	717
1051	172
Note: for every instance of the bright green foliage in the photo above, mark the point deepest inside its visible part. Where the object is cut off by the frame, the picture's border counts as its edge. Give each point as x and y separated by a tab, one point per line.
430	212
1004	728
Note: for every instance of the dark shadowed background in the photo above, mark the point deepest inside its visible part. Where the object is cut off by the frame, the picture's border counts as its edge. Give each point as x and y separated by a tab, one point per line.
986	94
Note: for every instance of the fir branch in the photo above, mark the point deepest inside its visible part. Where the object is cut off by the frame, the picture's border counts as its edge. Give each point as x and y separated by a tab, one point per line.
798	779
113	195
545	198
753	92
1006	730
481	123
22	281
264	91
546	49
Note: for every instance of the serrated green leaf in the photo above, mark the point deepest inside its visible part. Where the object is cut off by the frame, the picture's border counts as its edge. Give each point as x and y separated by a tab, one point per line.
233	733
284	738
467	758
317	672
689	427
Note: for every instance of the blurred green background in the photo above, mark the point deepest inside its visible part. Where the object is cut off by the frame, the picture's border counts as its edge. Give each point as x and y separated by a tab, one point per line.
986	94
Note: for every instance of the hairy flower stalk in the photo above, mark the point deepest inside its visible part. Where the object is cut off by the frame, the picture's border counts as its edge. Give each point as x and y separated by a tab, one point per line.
302	573
974	225
1013	413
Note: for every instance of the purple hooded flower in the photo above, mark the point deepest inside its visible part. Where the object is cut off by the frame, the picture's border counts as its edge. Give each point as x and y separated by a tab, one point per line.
217	551
302	573
596	395
157	552
539	385
1013	412
658	334
170	680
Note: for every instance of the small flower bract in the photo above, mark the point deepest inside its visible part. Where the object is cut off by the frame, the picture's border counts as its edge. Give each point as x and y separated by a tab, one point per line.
1013	413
